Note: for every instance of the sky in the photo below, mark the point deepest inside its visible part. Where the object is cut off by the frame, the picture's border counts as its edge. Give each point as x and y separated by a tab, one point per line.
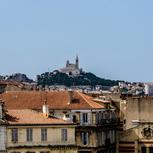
113	38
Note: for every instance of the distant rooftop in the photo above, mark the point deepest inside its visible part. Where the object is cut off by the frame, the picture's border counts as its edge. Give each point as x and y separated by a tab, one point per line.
54	99
31	117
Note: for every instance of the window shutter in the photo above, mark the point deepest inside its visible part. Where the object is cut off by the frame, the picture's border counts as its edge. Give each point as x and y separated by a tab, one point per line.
82	137
15	135
43	134
81	118
64	134
87	137
89	118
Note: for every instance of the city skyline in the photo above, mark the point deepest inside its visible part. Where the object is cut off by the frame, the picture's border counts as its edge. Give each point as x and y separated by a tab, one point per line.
112	38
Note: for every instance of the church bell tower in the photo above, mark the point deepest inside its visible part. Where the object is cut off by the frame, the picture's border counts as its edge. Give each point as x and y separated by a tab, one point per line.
77	62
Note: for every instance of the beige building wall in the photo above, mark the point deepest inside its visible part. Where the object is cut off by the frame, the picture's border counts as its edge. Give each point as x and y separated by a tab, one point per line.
44	150
138	109
138	116
54	140
2	138
53	136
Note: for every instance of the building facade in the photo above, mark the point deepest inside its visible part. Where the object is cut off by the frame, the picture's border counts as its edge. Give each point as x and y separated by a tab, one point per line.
95	124
30	131
2	129
137	133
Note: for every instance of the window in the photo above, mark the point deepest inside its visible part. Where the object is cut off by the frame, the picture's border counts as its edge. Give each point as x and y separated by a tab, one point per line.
150	149
15	135
74	119
43	134
143	149
64	134
44	152
85	118
67	115
84	138
124	121
29	134
113	136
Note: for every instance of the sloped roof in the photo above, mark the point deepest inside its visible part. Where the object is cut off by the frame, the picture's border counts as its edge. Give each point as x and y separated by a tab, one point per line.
55	100
31	117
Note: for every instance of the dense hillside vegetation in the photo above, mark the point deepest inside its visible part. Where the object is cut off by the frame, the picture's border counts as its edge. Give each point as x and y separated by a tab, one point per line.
58	78
19	77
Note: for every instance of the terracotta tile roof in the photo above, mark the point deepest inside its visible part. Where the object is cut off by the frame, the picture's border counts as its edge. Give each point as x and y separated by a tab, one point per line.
31	117
90	101
55	100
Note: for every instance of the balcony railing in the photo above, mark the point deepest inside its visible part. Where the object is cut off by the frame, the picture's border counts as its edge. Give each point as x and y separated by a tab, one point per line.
107	121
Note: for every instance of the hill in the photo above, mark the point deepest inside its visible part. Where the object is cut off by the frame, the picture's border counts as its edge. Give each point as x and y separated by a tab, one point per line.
18	77
59	78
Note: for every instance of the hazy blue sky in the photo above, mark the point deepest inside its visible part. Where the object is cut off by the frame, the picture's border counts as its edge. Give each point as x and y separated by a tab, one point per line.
114	38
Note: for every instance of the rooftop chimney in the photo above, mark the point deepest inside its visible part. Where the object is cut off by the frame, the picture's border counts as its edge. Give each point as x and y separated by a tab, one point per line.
45	110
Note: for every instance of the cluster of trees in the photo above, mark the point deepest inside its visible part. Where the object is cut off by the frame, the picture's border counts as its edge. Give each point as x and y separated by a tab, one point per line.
19	77
58	78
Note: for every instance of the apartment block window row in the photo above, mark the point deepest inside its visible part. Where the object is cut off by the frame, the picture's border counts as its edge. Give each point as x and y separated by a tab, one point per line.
31	152
29	135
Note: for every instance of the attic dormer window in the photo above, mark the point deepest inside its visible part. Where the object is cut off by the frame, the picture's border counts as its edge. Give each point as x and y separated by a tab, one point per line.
75	100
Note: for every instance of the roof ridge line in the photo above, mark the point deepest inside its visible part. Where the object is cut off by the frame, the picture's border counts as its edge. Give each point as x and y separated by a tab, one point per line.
85	99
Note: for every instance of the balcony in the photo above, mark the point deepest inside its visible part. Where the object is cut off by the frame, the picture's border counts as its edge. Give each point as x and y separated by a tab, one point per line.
108	121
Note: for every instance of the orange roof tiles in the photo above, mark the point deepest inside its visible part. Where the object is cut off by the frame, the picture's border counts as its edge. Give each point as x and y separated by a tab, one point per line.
31	117
55	100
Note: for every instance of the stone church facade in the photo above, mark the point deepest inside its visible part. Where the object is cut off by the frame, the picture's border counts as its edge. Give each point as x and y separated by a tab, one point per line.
72	68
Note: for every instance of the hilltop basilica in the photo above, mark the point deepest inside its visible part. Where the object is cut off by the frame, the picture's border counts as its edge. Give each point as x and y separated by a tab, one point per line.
72	68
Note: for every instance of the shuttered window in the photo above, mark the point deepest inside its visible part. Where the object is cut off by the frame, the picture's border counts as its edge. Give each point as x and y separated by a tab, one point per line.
85	117
85	138
44	151
64	134
15	135
143	149
29	134
150	149
43	134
